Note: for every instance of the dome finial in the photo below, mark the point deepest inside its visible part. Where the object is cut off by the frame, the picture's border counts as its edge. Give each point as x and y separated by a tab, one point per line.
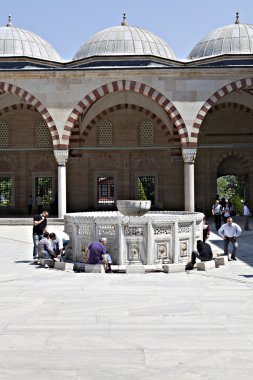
9	21
237	21
124	22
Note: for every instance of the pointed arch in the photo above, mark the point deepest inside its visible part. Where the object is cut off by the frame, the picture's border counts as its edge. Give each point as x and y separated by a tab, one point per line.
33	101
225	90
171	136
127	85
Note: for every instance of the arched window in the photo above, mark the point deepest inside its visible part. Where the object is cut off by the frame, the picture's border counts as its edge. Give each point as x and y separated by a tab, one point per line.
146	133
105	133
43	137
4	134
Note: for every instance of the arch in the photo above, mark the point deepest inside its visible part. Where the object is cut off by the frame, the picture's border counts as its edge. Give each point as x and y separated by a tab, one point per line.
231	154
231	87
173	138
127	85
16	107
231	105
33	101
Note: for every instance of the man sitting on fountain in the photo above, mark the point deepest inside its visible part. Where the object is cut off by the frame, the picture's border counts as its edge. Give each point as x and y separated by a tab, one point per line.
98	253
203	253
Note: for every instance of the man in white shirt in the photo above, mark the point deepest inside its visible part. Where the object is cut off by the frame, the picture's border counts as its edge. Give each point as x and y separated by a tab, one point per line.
230	232
246	214
217	212
60	241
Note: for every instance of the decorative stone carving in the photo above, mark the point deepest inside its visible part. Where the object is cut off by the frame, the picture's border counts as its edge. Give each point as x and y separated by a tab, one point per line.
162	230
83	229
61	157
184	248
146	239
106	230
133	252
162	251
133	231
189	155
183	229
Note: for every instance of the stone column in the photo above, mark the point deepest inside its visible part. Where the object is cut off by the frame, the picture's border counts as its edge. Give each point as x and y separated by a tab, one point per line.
61	158
189	196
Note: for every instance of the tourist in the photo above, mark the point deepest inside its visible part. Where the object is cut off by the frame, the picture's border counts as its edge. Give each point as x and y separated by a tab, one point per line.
217	212
206	230
203	253
226	212
39	228
98	253
39	203
59	242
44	249
109	262
246	214
30	204
230	232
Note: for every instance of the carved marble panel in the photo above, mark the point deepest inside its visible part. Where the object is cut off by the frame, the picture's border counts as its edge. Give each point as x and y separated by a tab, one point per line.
133	231
184	248
162	251
162	230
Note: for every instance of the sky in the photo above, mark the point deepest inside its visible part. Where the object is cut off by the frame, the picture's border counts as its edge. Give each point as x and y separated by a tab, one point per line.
66	25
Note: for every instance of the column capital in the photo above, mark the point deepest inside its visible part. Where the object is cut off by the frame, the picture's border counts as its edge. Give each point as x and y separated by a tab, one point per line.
189	155
61	156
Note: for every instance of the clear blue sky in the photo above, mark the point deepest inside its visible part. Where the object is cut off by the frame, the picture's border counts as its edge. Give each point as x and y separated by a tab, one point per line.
68	24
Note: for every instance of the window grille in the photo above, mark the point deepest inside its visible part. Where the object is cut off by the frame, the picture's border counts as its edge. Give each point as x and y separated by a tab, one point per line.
146	188
5	191
146	133
43	136
4	134
44	188
105	191
105	133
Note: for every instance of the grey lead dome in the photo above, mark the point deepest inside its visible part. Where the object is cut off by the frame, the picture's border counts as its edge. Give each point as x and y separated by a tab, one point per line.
124	40
231	39
20	42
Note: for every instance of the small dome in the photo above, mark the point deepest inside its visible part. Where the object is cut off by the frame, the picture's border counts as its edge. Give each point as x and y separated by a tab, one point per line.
124	40
231	39
20	42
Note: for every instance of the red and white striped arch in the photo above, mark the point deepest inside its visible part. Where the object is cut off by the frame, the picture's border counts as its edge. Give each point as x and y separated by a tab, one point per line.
126	85
33	101
232	154
173	138
225	90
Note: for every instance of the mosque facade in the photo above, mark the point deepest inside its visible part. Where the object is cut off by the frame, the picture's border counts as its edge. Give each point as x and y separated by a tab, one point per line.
124	119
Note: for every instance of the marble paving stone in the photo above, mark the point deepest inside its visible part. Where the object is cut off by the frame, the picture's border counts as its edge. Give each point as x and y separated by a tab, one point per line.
82	326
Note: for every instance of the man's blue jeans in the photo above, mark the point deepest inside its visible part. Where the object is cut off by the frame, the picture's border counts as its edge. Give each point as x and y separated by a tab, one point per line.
36	239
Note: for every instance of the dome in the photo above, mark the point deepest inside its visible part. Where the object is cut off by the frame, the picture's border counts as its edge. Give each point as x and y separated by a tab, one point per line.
231	39
124	40
20	42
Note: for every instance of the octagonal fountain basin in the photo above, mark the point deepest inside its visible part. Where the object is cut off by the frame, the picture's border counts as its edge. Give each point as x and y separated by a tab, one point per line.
133	207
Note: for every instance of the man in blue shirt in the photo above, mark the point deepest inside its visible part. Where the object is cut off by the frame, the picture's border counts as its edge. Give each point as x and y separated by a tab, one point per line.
230	232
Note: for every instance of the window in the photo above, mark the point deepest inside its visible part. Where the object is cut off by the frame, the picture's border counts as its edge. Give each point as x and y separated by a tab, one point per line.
5	191
105	191
146	188
146	133
44	188
43	137
4	134
105	133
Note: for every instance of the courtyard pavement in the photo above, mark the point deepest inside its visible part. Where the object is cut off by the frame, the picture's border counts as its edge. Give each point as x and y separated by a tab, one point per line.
75	326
